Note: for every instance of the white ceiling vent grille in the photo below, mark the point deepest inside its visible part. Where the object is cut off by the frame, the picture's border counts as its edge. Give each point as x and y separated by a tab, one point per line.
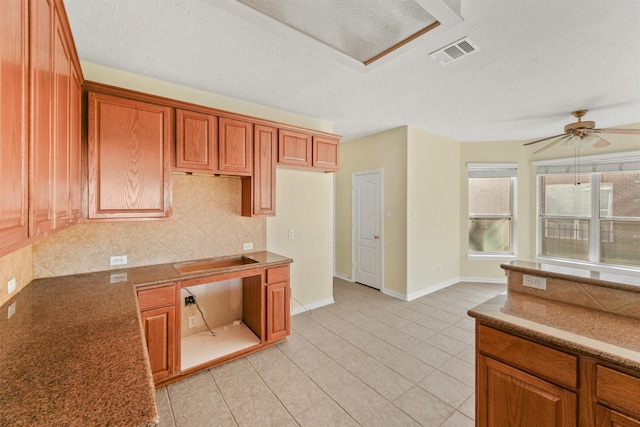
456	50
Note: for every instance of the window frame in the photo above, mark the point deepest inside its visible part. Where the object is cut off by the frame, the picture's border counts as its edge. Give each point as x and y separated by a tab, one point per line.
494	170
594	166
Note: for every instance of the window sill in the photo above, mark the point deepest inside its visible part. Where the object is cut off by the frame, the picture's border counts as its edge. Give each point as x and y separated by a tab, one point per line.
491	257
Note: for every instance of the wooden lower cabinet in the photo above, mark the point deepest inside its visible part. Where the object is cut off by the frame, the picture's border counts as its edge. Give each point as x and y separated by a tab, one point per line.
511	397
521	382
277	311
158	325
606	417
157	311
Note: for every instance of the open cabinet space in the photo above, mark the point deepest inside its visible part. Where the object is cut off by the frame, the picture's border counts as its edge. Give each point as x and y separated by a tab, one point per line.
224	320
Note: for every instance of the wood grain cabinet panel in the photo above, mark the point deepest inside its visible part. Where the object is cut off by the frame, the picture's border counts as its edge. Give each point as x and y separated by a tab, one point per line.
606	417
129	158
14	61
294	148
159	325
618	389
41	110
61	125
277	311
235	143
325	153
75	147
259	191
196	141
510	397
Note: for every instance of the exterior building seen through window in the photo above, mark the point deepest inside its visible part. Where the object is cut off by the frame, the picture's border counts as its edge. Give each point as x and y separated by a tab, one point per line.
590	213
491	208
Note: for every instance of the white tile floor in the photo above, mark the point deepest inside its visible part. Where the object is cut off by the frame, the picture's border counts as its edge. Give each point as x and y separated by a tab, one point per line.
367	360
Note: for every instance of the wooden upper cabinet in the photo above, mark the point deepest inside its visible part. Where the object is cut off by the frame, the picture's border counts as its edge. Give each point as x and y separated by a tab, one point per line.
196	141
259	190
129	158
61	125
235	142
294	148
41	122
325	153
14	61
75	147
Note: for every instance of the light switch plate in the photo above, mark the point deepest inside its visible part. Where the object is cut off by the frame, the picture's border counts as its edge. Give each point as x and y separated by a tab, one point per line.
534	282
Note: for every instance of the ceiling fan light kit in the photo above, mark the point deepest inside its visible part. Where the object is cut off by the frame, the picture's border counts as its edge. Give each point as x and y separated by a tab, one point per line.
581	133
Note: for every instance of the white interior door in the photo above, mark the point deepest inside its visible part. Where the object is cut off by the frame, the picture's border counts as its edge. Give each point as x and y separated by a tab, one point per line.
367	208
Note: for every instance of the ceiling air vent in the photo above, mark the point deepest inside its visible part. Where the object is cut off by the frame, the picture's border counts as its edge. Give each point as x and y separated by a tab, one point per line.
456	50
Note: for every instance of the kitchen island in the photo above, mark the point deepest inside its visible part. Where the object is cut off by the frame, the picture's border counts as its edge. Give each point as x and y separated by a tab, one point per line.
560	348
72	349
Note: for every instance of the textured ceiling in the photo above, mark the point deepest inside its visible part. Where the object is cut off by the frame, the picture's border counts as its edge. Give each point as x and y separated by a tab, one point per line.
538	61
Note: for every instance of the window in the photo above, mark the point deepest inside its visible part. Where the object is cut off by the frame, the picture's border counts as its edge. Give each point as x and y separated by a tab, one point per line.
590	212
491	207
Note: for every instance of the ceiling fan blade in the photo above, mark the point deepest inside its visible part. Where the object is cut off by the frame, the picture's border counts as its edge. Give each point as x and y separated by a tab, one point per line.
601	143
556	142
623	131
543	139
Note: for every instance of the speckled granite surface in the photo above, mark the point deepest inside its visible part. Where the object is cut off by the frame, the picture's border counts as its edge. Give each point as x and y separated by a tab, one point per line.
577	321
72	352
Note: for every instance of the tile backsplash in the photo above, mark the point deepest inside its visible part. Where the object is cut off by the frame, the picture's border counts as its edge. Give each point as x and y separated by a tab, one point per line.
18	264
206	222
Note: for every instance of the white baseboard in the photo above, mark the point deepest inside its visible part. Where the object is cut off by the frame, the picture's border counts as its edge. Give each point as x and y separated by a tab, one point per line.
308	307
432	289
343	277
500	280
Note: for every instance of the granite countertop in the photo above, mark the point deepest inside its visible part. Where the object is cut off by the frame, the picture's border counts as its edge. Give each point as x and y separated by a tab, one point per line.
72	350
579	312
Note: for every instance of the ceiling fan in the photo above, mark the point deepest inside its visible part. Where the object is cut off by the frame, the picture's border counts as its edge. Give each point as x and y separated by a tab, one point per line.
581	133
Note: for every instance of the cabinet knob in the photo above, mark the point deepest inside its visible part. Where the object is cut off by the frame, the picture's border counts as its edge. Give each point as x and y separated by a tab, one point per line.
376	237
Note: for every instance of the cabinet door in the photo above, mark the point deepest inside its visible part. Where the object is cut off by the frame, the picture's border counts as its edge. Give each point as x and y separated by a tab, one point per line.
61	128
235	147
159	329
294	148
259	191
75	147
606	417
277	311
196	141
14	220
509	397
325	153
41	69
129	158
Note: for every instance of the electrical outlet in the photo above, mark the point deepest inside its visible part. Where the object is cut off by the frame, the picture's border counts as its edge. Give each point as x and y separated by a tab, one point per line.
118	260
247	246
189	300
291	234
11	285
534	282
192	321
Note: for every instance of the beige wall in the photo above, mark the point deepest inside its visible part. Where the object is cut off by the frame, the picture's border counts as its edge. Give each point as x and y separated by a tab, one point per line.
386	151
304	204
433	231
